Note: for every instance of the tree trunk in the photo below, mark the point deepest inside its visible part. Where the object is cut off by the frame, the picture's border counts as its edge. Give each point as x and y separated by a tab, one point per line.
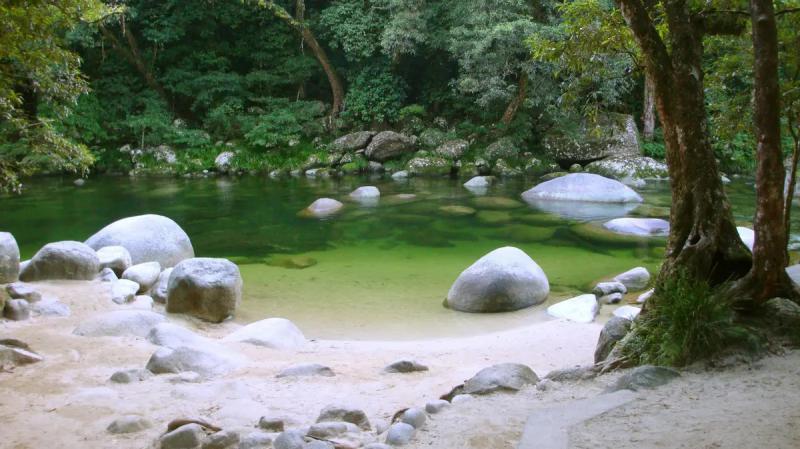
649	112
767	277
703	242
792	181
518	100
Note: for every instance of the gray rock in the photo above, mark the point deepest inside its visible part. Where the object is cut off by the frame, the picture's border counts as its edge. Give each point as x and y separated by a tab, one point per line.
116	257
353	141
504	148
271	424
189	436
620	138
611	298
17	310
405	366
62	260
388	145
210	289
365	192
645	296
277	333
400	434
21	290
290	439
452	149
142	302
783	312
323	207
129	424
148	238
50	307
459	398
629	168
306	369
130	376
224	439
635	279
644	227
160	289
145	274
436	406
375	167
9	258
501	377
429	166
503	280
124	291
170	335
186	377
644	377
415	417
204	361
107	275
223	161
346	414
582	187
256	440
16	353
119	323
479	182
573	374
607	288
329	430
400	175
580	309
614	330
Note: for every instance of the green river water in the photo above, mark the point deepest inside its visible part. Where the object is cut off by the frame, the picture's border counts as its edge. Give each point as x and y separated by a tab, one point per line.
380	271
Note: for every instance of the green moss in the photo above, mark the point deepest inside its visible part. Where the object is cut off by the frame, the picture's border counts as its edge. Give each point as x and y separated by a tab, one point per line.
597	235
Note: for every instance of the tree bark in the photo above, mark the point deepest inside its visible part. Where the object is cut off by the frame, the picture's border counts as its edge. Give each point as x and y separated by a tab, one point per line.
649	112
517	101
703	242
792	181
767	278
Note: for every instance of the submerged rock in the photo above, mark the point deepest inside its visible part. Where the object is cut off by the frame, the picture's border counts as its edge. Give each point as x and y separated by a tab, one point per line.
323	207
9	258
502	377
148	238
62	260
276	333
496	203
457	211
292	262
646	227
210	289
365	193
503	280
581	309
583	187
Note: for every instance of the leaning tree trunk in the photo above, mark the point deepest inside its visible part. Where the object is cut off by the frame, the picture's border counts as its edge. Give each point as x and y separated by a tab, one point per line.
767	277
792	181
649	110
703	242
518	100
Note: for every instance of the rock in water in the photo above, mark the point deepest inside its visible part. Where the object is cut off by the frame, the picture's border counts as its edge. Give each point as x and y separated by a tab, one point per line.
148	238
479	182
505	279
210	289
345	414
9	258
502	377
365	192
583	187
581	309
644	377
323	207
145	274
747	235
277	333
116	258
635	279
118	323
614	330
388	145
646	227
306	369
62	260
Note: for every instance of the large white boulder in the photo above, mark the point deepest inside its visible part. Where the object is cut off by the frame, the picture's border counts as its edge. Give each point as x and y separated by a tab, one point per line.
503	280
148	238
9	258
747	235
277	333
583	187
62	260
645	227
581	309
210	289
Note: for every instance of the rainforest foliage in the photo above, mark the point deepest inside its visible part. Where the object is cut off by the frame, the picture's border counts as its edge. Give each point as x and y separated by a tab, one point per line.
83	78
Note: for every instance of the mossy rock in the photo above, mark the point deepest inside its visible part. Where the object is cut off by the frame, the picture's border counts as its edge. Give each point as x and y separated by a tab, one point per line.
541	220
409	219
494	217
292	262
526	234
247	260
650	211
595	234
496	203
553	175
457	211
